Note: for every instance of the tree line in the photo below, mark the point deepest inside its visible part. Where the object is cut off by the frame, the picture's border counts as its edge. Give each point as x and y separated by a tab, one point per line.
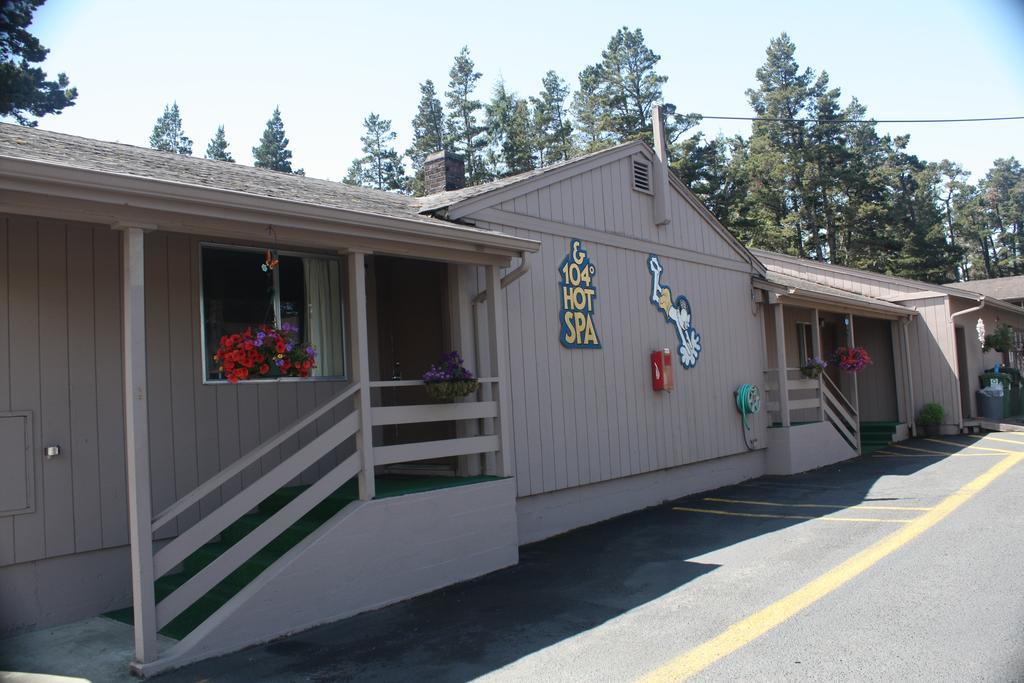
815	178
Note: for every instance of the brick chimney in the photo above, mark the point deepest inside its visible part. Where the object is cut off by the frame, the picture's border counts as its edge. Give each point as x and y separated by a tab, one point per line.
443	171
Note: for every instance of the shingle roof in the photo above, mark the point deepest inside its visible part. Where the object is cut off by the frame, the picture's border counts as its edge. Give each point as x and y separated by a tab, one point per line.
440	200
1005	288
811	288
112	157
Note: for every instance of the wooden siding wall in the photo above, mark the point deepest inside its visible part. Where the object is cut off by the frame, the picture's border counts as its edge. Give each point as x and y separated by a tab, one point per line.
60	357
584	416
933	351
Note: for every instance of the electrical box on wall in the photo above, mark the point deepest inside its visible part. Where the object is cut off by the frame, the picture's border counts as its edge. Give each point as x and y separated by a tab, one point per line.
661	370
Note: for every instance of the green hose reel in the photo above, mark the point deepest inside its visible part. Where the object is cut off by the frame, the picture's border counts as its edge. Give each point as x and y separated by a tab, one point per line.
748	402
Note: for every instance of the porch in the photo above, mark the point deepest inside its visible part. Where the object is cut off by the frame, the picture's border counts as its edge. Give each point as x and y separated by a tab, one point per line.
304	503
836	415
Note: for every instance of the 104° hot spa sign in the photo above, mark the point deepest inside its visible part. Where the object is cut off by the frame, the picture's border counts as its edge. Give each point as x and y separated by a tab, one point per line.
578	295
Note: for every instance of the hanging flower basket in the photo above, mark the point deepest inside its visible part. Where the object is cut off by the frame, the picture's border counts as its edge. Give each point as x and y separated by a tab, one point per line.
268	352
851	359
813	368
448	379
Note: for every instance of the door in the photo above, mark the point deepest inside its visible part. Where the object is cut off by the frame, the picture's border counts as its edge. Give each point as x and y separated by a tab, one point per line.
962	372
412	333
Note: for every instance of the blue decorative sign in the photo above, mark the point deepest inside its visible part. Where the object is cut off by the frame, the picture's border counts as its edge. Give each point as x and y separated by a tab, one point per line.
578	294
677	312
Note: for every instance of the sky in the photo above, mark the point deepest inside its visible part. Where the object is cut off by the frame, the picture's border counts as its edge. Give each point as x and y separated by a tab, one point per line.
328	64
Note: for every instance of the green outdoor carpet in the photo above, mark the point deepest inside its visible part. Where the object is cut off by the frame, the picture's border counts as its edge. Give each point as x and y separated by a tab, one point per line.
875	436
388	486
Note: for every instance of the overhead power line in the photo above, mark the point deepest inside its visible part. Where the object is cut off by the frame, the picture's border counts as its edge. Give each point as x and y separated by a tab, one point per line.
772	120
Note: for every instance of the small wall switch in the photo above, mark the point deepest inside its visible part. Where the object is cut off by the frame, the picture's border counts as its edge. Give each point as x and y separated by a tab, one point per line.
52	452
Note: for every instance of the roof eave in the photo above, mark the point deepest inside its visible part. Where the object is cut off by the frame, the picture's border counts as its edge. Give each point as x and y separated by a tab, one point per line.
31	175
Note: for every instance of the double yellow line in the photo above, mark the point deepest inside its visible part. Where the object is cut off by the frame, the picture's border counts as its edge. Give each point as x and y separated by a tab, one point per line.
759	623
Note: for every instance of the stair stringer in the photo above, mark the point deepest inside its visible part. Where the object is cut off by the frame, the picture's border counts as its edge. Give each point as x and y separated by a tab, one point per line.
371	554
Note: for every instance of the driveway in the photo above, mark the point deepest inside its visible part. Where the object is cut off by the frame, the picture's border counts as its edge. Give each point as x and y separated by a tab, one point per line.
905	565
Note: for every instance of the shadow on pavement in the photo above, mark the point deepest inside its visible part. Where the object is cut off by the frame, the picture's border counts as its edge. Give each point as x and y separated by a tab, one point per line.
562	586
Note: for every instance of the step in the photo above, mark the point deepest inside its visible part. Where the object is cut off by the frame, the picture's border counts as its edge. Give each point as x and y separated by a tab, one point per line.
198	612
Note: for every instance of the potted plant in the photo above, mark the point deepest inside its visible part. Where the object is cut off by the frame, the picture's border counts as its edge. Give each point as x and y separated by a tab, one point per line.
851	359
930	418
1001	340
449	379
267	353
813	368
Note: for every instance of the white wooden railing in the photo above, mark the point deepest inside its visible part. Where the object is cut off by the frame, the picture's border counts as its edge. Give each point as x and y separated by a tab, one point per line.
171	555
820	395
840	412
435	412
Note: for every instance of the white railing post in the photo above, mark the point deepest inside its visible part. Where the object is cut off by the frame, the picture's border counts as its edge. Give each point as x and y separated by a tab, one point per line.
140	509
780	360
498	339
361	370
816	350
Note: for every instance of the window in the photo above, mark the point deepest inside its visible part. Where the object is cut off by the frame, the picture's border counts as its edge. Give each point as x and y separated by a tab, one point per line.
804	341
304	290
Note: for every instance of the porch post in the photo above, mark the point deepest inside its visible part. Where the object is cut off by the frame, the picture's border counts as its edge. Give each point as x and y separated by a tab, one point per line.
780	362
900	373
498	339
361	370
911	404
140	511
851	342
816	350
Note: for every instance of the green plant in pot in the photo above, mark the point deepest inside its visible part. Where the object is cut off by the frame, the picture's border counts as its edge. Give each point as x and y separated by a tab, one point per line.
1001	340
930	418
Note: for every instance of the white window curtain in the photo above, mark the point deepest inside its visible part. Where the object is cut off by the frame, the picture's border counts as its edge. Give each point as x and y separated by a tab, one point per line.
324	315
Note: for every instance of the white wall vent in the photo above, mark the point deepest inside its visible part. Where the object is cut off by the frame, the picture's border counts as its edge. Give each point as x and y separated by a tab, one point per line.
642	176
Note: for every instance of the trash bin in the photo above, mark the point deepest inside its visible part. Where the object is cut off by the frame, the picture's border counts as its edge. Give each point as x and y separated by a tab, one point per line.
990	404
1004	379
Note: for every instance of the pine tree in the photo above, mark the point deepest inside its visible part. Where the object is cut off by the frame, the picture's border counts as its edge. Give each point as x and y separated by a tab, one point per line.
218	147
551	122
272	152
588	108
381	167
23	87
428	133
464	135
168	135
778	146
627	87
509	134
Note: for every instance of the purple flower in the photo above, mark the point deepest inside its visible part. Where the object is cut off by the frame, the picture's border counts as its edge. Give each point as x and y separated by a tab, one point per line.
288	347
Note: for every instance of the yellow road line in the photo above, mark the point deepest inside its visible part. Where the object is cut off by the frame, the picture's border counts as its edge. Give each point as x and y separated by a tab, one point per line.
767	516
964	445
935	452
815	505
759	623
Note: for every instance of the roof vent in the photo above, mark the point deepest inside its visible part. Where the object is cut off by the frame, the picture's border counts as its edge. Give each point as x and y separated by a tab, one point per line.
642	176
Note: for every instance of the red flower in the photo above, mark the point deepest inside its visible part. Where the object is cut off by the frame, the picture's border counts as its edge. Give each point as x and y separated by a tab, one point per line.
264	369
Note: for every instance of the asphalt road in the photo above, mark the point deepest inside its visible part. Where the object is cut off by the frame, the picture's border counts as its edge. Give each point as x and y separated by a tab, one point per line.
633	596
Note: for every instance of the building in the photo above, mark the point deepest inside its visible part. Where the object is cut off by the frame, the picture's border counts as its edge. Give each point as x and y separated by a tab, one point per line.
1009	289
226	514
